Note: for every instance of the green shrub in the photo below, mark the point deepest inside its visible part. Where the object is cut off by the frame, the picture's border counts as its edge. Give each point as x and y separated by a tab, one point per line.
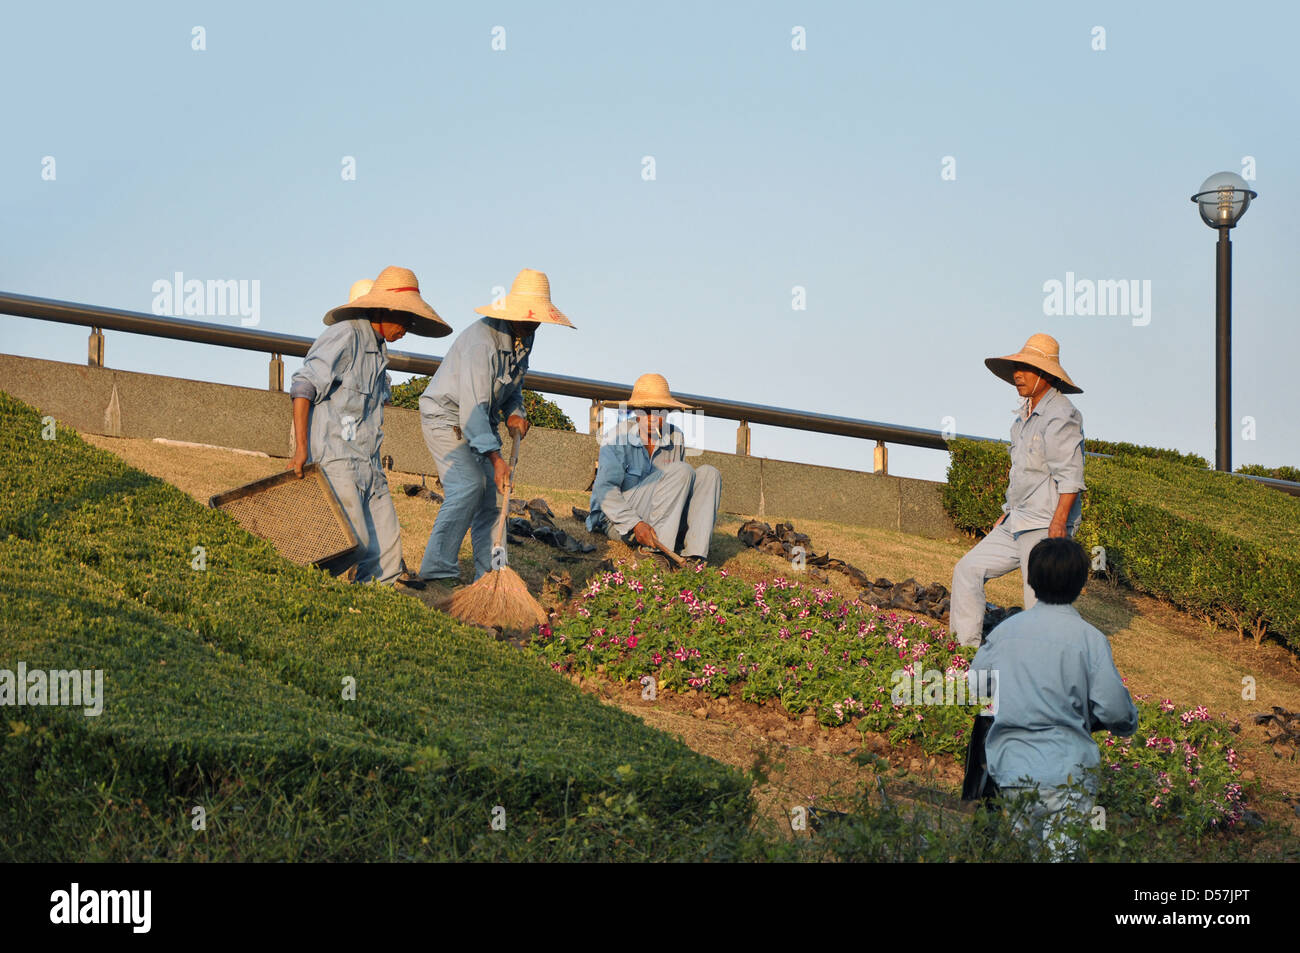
1155	453
1225	548
540	411
977	483
1273	473
224	685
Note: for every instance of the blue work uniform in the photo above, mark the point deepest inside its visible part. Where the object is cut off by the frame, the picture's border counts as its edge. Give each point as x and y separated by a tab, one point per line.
680	502
344	376
1054	683
1046	461
481	376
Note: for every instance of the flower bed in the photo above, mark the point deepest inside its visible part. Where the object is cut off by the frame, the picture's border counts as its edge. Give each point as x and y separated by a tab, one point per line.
815	652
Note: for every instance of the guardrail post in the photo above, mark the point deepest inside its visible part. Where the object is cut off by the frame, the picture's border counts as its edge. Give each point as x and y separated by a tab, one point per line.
95	357
277	373
596	418
742	439
881	463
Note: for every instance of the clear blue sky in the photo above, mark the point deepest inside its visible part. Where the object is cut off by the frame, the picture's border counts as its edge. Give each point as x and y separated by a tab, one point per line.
774	168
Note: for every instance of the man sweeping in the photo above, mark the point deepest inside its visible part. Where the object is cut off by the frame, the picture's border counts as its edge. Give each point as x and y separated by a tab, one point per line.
338	400
1044	486
480	379
644	488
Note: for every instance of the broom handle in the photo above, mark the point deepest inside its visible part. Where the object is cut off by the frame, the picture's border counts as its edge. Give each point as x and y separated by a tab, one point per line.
505	506
672	556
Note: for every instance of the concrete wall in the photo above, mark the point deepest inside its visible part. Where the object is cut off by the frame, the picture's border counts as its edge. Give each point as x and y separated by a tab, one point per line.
127	404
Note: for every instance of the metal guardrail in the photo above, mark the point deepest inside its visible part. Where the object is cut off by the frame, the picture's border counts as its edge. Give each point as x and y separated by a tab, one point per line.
270	342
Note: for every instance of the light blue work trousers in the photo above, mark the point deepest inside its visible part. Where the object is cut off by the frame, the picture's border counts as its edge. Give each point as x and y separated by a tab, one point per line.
471	502
1043	818
995	555
362	491
680	502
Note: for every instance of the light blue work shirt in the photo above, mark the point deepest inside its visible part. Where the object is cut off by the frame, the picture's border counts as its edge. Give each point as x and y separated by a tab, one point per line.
624	463
1053	677
482	375
344	377
1046	461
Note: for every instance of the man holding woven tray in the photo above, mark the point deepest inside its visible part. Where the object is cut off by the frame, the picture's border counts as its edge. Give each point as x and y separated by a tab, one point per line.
338	408
644	488
1044	486
480	378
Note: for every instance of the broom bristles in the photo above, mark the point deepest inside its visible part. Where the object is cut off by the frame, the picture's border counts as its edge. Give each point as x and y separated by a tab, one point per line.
499	598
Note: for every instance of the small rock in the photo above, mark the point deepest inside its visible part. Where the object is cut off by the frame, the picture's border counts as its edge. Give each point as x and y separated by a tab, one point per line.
914	766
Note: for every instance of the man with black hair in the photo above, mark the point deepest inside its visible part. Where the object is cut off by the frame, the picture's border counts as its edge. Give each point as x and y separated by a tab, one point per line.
1054	683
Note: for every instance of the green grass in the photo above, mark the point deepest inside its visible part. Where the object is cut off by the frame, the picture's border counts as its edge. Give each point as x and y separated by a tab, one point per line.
223	689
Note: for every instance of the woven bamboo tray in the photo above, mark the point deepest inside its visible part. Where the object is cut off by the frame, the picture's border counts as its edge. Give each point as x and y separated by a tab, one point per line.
302	519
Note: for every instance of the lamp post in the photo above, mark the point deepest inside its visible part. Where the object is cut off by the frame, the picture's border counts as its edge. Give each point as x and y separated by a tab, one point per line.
1223	198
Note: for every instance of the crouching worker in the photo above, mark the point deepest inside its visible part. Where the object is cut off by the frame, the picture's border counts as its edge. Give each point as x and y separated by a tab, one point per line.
1044	486
1054	683
480	378
338	405
644	488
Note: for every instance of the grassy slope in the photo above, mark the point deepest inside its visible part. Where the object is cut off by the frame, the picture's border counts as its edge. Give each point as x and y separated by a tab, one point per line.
1162	652
232	676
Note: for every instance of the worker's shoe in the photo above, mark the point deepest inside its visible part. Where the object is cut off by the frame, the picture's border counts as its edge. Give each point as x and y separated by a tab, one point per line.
435	593
409	580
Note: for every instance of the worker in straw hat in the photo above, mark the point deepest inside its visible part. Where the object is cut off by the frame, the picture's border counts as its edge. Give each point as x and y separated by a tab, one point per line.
644	489
1044	486
479	380
338	400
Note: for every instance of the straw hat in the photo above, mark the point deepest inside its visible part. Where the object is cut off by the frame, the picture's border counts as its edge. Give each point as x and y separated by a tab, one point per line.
529	300
396	289
650	392
1042	352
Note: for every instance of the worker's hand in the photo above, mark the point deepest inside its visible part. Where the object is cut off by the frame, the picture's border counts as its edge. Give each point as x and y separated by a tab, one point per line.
517	425
644	534
1000	519
298	460
501	473
1056	529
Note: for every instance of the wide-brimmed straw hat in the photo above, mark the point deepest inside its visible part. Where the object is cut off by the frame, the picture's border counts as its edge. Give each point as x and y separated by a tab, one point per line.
650	392
396	289
1042	352
529	300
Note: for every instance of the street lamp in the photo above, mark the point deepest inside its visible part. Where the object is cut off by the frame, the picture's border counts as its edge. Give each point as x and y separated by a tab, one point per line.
1223	198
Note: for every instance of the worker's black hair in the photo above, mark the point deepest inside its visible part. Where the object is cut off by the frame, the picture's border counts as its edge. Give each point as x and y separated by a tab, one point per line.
1058	569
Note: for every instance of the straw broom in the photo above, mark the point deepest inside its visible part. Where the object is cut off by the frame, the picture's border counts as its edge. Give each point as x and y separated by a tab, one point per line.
499	598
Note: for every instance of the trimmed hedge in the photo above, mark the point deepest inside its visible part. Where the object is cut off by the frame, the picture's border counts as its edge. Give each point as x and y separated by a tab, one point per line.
1227	549
224	687
1274	473
1155	453
541	412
